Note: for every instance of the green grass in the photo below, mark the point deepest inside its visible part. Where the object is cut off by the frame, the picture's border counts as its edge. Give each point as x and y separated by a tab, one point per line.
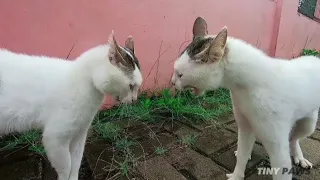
161	151
310	52
31	139
183	106
124	144
108	130
189	140
124	168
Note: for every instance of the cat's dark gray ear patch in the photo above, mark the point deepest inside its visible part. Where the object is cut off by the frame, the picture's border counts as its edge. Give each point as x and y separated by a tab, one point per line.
130	43
117	54
200	28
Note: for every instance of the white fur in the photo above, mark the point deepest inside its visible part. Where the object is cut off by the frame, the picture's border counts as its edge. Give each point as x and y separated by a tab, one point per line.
269	97
60	97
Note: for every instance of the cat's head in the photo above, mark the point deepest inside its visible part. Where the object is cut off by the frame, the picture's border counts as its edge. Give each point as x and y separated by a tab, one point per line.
121	78
199	66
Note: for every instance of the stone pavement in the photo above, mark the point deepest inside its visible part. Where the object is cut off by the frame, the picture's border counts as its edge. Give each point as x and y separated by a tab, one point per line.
209	157
212	156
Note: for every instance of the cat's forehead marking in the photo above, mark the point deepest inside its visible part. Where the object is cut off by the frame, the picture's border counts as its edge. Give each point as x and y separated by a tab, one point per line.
197	45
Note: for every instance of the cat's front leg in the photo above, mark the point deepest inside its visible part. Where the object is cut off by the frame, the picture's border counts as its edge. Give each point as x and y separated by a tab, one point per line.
57	149
76	149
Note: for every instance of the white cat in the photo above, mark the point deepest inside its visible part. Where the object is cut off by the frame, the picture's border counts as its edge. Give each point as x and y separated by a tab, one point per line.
271	97
62	97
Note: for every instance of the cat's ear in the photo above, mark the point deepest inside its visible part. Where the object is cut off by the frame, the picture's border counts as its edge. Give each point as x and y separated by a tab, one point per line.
218	46
116	53
214	51
130	43
200	28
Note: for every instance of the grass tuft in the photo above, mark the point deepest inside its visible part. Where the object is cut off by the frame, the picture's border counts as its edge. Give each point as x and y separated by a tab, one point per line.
310	52
161	151
189	140
107	130
184	106
30	139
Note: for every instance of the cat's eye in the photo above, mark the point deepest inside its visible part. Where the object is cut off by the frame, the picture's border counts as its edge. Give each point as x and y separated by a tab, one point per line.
131	87
180	75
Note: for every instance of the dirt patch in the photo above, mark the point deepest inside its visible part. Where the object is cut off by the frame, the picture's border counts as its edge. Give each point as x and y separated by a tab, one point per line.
48	173
9	156
28	169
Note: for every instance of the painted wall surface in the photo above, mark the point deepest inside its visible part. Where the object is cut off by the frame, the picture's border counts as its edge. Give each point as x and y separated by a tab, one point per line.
160	27
296	31
52	27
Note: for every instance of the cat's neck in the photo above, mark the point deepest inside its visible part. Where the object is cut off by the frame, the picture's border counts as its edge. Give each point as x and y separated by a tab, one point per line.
93	64
92	59
246	66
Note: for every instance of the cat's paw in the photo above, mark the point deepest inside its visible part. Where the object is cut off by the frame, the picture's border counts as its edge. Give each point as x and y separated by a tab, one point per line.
234	177
302	162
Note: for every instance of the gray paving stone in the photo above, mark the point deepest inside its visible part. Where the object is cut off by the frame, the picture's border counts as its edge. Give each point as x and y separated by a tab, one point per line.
228	159
255	176
313	174
142	131
185	131
310	149
201	167
213	140
233	127
158	169
180	129
207	125
222	121
227	118
148	147
298	173
316	135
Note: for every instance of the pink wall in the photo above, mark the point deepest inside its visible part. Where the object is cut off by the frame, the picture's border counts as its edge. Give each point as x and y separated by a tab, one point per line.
53	27
296	31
